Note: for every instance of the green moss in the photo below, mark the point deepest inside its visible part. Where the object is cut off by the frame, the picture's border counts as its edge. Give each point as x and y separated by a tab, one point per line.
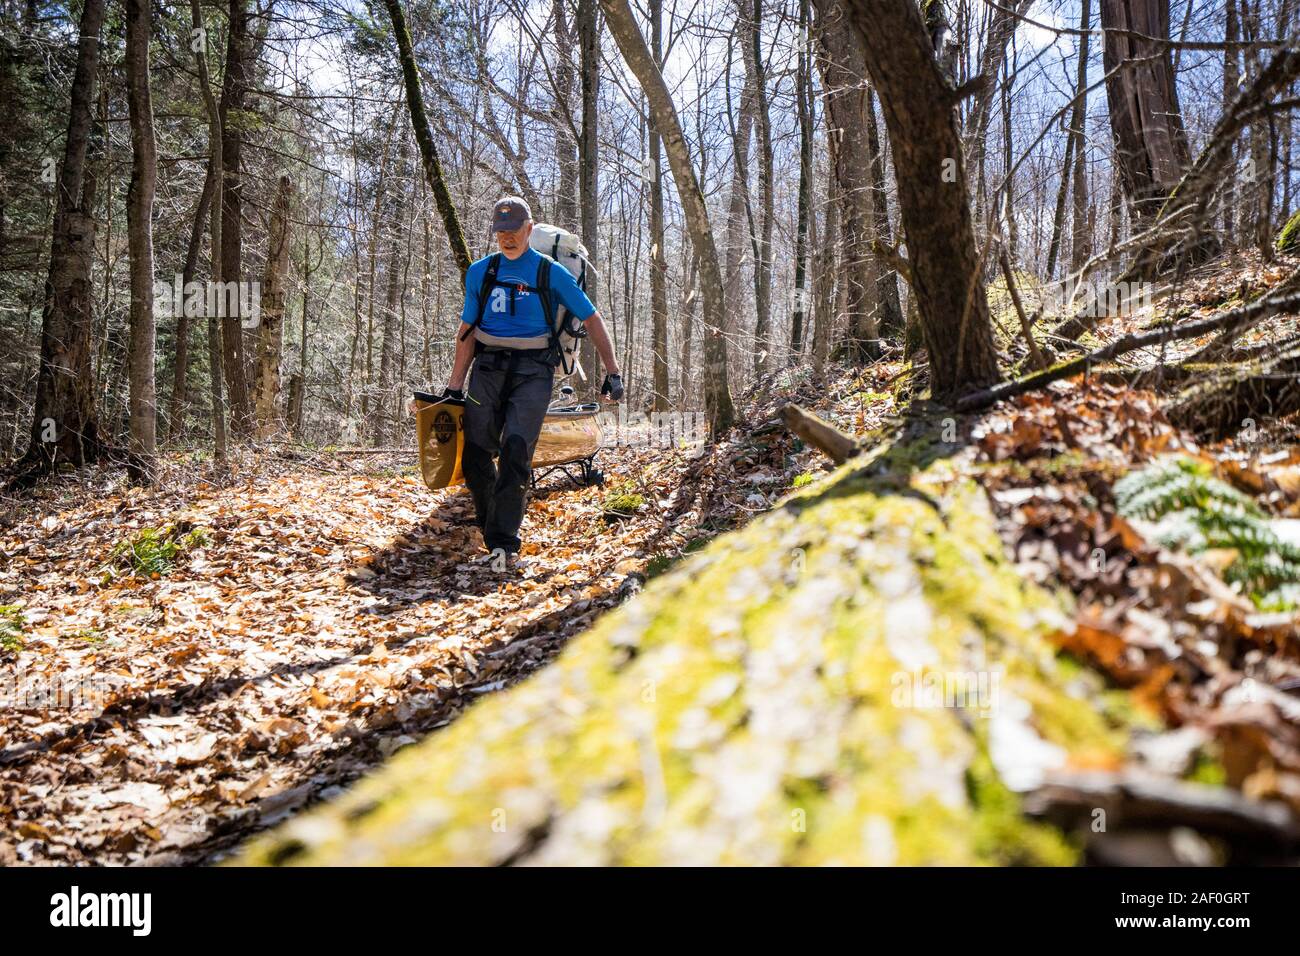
11	627
755	705
1208	770
622	501
1001	833
1288	237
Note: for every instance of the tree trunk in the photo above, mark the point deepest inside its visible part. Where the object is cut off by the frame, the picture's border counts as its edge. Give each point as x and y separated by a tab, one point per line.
424	137
65	426
175	421
1231	75
394	294
1058	217
139	218
589	164
215	163
825	267
566	145
1145	118
892	324
1082	240
763	255
946	271
844	78
803	95
296	392
717	391
270	331
690	298
1004	18
1008	162
233	92
738	202
658	255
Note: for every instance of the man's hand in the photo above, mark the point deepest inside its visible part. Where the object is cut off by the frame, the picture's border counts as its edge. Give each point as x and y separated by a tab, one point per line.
456	393
613	387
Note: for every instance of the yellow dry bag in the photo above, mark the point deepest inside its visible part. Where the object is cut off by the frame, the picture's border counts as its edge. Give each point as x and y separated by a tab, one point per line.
440	428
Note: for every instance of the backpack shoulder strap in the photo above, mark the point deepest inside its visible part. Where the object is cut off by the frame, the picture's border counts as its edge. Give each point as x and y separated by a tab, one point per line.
544	290
489	280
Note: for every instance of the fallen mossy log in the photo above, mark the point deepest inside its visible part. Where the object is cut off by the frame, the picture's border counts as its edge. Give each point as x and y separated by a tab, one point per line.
1198	367
858	676
1230	398
1282	300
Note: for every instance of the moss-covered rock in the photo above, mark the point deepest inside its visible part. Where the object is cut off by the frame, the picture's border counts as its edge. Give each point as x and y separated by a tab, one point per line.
1288	237
858	677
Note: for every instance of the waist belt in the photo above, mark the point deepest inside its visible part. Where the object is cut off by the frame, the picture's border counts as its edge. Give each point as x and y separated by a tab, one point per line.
510	342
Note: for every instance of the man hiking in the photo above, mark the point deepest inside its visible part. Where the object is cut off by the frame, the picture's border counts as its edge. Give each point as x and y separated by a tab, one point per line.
507	332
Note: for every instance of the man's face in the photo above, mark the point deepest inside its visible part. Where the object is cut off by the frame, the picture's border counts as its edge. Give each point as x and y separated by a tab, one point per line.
514	243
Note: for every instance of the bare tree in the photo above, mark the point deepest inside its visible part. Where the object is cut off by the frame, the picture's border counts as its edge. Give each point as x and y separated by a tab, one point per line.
717	392
589	154
658	254
270	329
945	265
844	77
216	165
565	143
139	216
1081	246
175	421
891	311
763	243
1151	148
804	109
424	138
234	92
1231	75
742	128
1002	19
65	426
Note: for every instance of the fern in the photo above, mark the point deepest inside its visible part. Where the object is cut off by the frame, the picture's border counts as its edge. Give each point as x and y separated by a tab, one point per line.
1178	484
1198	512
152	552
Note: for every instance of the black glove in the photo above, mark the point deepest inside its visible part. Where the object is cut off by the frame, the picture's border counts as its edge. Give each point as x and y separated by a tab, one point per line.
456	393
613	387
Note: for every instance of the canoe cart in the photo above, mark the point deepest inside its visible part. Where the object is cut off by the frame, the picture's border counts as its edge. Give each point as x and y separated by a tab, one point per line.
569	441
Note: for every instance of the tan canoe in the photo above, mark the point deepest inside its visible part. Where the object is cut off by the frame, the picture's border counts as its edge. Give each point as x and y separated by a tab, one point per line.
569	434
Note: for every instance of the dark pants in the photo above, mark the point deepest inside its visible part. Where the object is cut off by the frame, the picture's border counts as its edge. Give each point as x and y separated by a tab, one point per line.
509	392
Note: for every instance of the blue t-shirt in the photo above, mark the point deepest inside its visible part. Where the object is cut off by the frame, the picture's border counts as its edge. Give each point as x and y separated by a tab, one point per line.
516	312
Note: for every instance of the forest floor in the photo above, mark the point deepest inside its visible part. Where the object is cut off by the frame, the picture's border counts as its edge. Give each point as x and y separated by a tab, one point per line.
317	614
277	636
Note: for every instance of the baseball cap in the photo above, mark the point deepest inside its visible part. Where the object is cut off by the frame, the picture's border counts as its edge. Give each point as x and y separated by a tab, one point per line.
509	214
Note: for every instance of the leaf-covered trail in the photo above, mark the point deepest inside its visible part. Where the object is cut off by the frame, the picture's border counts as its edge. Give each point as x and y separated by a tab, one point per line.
328	613
328	617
